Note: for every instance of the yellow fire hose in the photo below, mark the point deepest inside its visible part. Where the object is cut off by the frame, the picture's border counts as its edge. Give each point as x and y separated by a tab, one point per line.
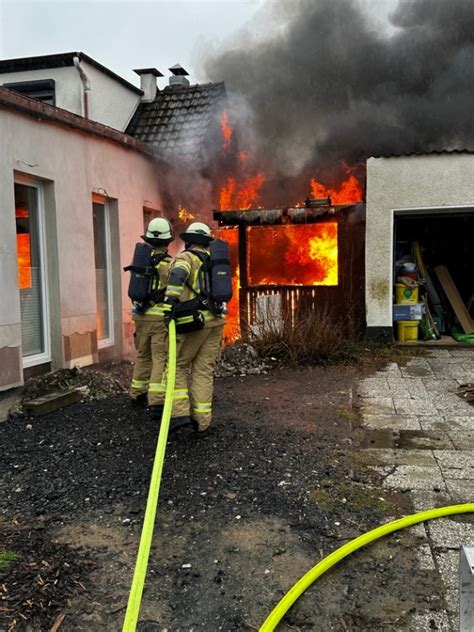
339	554
135	597
274	618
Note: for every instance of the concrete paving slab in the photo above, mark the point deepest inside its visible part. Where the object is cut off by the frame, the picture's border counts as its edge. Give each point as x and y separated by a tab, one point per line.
420	458
378	405
440	384
413	477
448	564
415	406
461	491
424	500
448	533
456	464
438	621
392	422
463	442
373	386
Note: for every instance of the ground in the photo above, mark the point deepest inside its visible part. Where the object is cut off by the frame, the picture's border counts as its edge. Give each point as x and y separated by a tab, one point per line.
297	462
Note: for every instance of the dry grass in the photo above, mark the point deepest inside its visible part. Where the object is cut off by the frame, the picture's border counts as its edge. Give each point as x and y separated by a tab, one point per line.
305	337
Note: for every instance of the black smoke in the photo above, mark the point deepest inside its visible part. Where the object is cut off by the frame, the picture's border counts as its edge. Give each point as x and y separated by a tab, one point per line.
325	83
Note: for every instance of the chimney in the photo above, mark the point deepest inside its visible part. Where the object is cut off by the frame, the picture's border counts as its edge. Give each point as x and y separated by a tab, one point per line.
178	76
148	85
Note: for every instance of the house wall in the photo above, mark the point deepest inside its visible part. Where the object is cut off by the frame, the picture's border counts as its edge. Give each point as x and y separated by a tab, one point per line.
436	181
72	166
111	103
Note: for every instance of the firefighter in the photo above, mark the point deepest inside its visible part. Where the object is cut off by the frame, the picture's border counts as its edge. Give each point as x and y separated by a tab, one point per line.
147	385
196	349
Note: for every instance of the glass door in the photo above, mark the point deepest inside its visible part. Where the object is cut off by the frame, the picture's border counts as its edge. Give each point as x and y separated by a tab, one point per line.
32	283
103	273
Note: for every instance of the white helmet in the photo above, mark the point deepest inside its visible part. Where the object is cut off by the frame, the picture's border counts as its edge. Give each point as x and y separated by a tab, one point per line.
159	231
197	233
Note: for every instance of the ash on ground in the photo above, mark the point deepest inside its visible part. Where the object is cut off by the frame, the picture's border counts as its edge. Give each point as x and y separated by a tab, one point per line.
92	384
241	359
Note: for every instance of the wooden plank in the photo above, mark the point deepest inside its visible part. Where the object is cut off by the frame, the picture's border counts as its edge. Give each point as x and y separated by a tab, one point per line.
455	299
49	403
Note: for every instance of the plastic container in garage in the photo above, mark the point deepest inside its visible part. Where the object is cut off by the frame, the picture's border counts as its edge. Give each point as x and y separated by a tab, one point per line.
408	312
408	330
405	295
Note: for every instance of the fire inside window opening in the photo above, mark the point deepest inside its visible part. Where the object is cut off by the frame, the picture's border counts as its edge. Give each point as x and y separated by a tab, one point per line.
304	255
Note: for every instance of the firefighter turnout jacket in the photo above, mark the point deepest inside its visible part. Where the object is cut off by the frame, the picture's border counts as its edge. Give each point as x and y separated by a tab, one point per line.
197	349
150	340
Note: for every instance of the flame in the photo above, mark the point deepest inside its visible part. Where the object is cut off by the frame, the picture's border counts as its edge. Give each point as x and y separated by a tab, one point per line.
293	255
348	192
232	326
226	131
25	280
184	215
242	195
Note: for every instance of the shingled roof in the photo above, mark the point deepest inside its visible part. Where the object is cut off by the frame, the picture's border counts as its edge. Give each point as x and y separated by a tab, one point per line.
179	118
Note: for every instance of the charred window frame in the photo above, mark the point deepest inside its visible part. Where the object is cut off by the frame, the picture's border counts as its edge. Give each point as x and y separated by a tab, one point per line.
42	89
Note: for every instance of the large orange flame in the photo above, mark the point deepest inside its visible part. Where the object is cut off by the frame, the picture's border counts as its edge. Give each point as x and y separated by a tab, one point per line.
226	131
349	190
293	255
232	326
241	195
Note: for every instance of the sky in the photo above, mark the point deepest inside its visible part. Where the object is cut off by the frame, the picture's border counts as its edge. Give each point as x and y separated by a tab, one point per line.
123	35
127	35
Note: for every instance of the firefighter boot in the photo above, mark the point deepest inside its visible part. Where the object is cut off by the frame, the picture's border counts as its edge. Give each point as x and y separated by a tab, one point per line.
140	401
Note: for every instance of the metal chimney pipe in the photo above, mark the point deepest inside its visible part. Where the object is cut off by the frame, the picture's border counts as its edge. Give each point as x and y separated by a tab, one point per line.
86	86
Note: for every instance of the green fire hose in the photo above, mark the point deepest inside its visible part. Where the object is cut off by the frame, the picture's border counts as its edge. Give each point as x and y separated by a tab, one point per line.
274	618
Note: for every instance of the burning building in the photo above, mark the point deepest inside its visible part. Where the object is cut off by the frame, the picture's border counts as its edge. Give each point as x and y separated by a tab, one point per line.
291	259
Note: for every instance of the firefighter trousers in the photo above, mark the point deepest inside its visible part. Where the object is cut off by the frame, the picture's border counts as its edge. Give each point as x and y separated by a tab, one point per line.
198	350
148	372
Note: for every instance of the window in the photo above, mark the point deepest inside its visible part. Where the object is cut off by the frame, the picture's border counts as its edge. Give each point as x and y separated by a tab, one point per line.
148	215
103	272
32	282
43	90
307	254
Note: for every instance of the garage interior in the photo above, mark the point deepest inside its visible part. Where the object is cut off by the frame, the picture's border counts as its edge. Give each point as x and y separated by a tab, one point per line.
445	241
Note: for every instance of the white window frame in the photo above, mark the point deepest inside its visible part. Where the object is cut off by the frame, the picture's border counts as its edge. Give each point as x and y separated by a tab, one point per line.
110	341
45	356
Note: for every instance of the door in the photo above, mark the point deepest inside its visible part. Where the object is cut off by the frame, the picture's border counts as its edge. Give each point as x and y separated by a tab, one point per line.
103	272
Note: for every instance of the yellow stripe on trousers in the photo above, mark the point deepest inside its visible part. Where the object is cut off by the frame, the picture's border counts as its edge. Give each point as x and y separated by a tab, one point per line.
135	597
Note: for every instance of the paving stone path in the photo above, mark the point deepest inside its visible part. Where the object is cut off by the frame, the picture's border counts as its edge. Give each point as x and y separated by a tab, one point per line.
423	438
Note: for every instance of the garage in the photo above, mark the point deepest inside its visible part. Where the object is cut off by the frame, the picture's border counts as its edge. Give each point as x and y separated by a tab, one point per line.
419	261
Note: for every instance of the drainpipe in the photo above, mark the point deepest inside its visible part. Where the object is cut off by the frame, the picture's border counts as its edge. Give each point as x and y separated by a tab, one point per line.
86	85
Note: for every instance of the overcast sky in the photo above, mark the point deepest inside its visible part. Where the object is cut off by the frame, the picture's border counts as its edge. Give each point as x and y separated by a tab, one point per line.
123	35
127	35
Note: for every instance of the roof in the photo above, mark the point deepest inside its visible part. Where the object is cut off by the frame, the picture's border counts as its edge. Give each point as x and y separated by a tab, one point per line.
434	152
12	100
60	60
179	118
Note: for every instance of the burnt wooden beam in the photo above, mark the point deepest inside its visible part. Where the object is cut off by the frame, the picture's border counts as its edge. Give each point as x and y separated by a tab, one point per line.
284	215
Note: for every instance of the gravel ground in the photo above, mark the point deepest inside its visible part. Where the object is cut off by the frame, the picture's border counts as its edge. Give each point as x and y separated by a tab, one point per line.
276	484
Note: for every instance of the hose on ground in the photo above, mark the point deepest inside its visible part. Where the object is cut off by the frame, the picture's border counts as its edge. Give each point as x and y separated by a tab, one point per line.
136	591
339	554
277	614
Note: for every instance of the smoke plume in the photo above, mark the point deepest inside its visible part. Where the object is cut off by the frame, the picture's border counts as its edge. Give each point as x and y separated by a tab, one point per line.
325	84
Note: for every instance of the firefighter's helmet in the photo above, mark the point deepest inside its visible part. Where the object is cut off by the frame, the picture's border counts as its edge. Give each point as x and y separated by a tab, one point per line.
159	232
197	233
